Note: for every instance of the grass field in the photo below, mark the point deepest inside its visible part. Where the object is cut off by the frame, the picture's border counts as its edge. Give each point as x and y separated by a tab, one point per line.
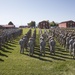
14	63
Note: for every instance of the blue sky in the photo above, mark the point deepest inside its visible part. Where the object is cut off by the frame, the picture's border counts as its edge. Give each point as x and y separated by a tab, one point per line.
21	12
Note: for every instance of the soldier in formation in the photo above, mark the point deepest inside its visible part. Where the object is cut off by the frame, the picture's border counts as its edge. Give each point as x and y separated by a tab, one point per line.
25	42
71	45
7	35
21	42
42	46
52	44
74	49
66	38
31	46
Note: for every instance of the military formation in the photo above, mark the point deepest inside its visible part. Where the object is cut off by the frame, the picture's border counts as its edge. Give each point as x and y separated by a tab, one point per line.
28	42
7	35
47	37
66	38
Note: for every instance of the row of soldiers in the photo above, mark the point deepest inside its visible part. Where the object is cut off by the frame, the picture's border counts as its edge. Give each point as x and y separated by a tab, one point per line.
7	35
66	38
32	43
23	42
28	42
44	37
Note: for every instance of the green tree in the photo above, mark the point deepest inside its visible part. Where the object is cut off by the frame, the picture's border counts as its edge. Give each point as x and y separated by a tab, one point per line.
32	24
53	24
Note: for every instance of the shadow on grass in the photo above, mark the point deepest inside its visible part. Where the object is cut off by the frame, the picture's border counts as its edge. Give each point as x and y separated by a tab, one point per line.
62	53
58	56
47	49
38	57
55	58
37	50
2	49
63	57
42	58
10	45
14	43
1	60
60	49
1	54
7	47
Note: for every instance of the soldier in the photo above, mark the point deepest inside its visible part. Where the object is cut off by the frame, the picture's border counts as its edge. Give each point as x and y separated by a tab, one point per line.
52	45
0	41
45	36
71	45
67	42
40	31
74	48
49	37
31	46
21	42
42	46
34	37
64	41
33	42
25	42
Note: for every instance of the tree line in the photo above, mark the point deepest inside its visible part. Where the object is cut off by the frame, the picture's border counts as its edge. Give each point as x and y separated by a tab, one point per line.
32	24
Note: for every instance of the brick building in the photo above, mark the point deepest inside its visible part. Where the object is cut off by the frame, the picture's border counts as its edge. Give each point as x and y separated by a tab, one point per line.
67	24
43	24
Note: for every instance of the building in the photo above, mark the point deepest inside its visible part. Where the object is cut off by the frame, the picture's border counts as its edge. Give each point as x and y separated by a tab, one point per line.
7	26
67	24
23	26
43	24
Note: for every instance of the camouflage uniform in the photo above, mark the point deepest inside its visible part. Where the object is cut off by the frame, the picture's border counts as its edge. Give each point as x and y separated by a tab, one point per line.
52	46
21	42
31	46
74	49
42	46
67	42
71	45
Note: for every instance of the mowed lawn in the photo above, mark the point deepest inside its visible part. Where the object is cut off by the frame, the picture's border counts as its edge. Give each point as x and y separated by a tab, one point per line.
14	63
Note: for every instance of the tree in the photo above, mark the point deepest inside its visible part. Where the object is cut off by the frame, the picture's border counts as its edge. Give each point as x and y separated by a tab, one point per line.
53	24
32	24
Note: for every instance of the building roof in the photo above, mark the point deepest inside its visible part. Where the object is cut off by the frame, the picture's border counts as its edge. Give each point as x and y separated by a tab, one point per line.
43	21
66	21
23	26
10	23
7	26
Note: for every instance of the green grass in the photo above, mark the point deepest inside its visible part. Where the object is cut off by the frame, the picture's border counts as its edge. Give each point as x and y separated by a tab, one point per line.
14	63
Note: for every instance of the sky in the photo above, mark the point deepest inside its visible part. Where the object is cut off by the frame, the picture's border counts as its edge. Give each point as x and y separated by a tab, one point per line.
21	12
